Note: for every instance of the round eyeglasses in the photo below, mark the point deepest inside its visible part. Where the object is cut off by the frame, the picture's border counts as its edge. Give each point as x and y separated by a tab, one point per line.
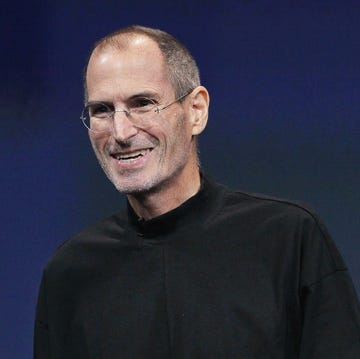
98	116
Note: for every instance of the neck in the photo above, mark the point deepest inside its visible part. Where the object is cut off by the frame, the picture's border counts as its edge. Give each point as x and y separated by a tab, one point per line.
168	197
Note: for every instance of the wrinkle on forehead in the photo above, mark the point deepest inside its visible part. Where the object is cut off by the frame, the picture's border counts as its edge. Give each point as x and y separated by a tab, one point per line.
138	63
132	44
137	49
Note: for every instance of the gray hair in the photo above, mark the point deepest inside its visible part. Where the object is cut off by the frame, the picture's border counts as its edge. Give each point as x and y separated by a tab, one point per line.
182	69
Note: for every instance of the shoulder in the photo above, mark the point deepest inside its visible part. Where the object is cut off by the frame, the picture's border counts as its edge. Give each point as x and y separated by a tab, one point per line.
260	210
82	246
284	222
262	207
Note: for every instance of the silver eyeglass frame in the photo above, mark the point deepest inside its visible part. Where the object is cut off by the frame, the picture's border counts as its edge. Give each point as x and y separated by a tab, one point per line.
111	115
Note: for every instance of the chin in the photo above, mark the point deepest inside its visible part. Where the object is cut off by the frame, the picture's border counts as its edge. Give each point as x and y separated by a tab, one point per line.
134	186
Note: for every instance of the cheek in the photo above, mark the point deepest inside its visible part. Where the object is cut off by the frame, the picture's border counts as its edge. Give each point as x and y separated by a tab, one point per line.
98	144
97	139
179	141
182	131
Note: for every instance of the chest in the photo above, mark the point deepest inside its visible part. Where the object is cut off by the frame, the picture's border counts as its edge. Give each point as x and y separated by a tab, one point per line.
214	297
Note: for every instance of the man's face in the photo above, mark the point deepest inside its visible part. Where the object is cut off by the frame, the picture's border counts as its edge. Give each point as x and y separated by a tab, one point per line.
138	160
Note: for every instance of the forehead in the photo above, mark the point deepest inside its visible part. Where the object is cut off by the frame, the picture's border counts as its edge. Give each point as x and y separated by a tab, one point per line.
138	65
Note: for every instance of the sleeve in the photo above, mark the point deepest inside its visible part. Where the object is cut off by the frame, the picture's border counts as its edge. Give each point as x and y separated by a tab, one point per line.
41	331
331	314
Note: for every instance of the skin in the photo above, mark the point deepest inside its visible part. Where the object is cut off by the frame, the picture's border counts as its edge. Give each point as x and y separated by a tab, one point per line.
167	173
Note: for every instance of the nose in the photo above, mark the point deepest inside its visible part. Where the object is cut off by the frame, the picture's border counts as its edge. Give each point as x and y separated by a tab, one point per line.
123	128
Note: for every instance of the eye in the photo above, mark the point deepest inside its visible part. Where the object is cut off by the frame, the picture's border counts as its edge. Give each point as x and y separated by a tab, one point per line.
100	110
142	103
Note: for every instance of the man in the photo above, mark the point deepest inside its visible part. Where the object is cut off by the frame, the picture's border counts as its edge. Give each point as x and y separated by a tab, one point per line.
191	269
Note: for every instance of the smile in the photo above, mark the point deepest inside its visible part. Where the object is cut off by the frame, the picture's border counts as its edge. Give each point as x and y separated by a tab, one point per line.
131	156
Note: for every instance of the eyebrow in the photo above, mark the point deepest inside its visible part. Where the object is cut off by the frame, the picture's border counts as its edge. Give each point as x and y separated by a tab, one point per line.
144	94
95	102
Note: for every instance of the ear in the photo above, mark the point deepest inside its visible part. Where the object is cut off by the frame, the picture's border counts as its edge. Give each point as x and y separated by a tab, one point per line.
199	103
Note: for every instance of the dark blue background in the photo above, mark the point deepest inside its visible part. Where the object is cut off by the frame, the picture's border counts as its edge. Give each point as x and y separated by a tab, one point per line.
284	79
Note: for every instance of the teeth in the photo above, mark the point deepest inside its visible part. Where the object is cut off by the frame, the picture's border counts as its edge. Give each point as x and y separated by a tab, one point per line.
127	156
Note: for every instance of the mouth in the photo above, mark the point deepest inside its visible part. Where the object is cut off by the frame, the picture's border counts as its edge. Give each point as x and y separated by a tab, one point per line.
131	156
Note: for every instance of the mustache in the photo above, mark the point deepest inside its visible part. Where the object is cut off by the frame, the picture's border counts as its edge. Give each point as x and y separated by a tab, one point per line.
131	144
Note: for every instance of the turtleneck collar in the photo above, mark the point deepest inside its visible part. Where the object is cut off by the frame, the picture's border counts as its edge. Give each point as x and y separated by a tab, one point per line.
195	209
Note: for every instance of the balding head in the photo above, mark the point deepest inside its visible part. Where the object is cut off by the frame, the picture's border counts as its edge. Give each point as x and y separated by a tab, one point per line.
181	67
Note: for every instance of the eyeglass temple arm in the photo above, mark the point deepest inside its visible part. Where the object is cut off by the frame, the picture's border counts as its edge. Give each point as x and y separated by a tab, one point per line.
176	100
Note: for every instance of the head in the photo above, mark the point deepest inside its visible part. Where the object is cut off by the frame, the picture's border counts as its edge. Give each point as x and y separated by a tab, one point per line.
180	64
128	69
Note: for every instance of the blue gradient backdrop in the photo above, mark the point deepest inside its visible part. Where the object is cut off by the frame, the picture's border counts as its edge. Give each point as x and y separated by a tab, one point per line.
284	78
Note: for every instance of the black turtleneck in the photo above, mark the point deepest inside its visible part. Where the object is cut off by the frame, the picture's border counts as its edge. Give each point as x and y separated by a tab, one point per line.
192	212
225	275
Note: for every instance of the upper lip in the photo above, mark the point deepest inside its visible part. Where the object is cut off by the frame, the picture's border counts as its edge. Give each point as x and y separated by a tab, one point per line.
132	153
